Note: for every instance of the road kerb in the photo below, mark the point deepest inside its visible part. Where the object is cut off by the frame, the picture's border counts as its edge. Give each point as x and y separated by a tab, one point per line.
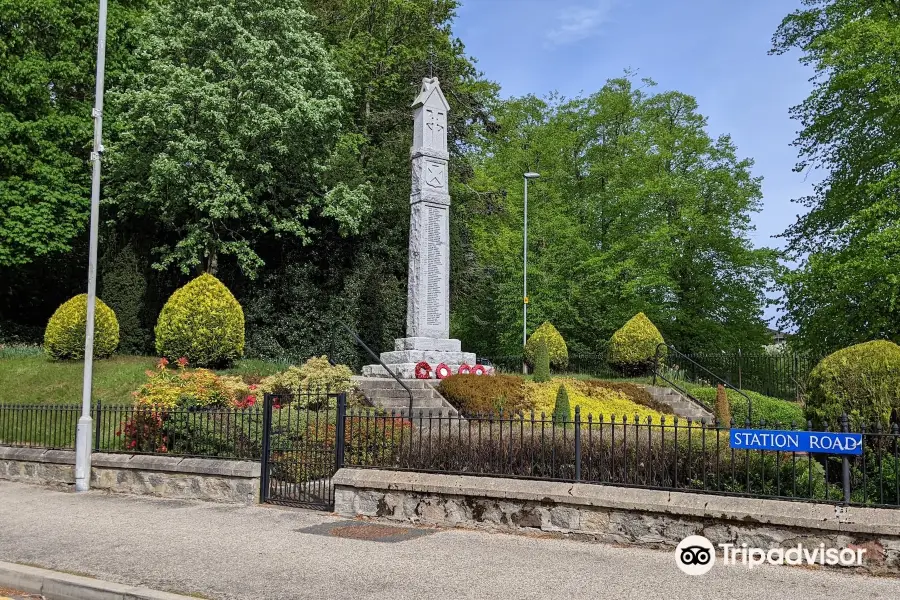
62	586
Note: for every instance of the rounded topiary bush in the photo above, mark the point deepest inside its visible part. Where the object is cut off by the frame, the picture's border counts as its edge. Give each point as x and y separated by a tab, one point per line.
633	347
202	322
64	336
556	346
861	380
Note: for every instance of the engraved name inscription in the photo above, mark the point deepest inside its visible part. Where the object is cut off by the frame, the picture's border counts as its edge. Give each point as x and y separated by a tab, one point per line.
435	266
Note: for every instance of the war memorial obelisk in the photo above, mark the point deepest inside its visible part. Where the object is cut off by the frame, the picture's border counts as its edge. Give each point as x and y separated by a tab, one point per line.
428	297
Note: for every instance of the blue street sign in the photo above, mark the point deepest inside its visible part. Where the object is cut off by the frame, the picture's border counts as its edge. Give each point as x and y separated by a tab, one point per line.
796	441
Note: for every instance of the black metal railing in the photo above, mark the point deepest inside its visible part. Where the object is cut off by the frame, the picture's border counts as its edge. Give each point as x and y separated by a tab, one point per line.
595	365
669	454
302	449
781	376
674	367
38	426
305	438
777	375
377	358
197	432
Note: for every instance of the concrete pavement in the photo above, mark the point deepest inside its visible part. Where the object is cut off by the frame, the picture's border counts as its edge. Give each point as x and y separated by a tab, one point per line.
236	552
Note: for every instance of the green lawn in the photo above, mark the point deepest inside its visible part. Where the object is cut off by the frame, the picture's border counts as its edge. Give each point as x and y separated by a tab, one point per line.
589	377
33	379
766	408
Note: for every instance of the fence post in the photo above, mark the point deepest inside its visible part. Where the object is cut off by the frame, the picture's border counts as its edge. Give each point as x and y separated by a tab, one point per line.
577	443
98	419
266	446
340	431
845	428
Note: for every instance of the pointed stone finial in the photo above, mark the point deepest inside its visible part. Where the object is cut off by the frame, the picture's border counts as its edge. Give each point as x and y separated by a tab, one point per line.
430	94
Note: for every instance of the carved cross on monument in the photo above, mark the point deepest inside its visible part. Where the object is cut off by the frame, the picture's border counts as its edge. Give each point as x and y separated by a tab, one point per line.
435	128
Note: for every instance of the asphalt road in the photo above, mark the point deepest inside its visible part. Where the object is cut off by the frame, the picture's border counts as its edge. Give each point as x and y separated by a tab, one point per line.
256	552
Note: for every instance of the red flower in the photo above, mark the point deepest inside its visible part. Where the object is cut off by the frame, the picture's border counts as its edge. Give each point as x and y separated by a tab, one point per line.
162	362
252	387
251	400
132	444
182	362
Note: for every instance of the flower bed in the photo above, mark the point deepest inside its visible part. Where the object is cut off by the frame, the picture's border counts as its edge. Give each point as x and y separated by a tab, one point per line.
473	395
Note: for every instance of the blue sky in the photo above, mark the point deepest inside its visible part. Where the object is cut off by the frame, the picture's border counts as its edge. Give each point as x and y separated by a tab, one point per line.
714	50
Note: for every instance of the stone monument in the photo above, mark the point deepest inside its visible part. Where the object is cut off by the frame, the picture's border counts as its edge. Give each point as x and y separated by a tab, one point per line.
428	296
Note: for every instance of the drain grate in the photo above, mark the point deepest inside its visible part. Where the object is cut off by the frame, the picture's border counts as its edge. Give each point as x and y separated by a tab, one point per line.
372	532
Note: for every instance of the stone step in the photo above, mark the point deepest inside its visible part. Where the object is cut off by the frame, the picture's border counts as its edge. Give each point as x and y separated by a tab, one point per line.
682	406
398	393
389	383
387	393
390	403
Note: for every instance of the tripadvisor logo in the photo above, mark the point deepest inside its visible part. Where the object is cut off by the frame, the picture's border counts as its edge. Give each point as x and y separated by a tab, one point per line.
696	555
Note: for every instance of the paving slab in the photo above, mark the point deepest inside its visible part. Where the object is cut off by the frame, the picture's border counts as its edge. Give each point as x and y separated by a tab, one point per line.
251	552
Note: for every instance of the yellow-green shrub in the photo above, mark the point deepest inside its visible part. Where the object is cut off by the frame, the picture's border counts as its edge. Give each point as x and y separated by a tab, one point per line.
64	336
861	380
634	345
319	374
316	375
556	346
593	400
167	388
203	322
484	394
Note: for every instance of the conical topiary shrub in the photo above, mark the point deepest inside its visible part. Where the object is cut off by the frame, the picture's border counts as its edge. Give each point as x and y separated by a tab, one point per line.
202	322
633	347
542	363
556	346
561	410
722	408
64	336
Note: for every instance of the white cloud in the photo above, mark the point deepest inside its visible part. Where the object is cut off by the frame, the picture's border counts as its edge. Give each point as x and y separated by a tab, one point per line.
576	23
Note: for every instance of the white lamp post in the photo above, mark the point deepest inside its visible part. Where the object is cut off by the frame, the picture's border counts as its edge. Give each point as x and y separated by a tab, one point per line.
83	434
525	271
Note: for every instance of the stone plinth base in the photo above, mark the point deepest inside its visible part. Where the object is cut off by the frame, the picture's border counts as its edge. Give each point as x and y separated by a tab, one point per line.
408	370
412	350
424	343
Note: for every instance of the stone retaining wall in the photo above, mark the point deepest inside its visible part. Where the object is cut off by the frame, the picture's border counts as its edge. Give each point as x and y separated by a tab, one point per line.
165	476
617	515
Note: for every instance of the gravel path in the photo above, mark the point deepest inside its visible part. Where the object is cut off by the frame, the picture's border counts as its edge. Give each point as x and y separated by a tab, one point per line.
232	552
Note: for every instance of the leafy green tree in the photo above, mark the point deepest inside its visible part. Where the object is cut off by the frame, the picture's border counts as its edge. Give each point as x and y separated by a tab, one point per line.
229	126
637	209
47	61
847	287
384	50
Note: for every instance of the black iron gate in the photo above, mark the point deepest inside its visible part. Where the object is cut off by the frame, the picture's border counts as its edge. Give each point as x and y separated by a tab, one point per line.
302	448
